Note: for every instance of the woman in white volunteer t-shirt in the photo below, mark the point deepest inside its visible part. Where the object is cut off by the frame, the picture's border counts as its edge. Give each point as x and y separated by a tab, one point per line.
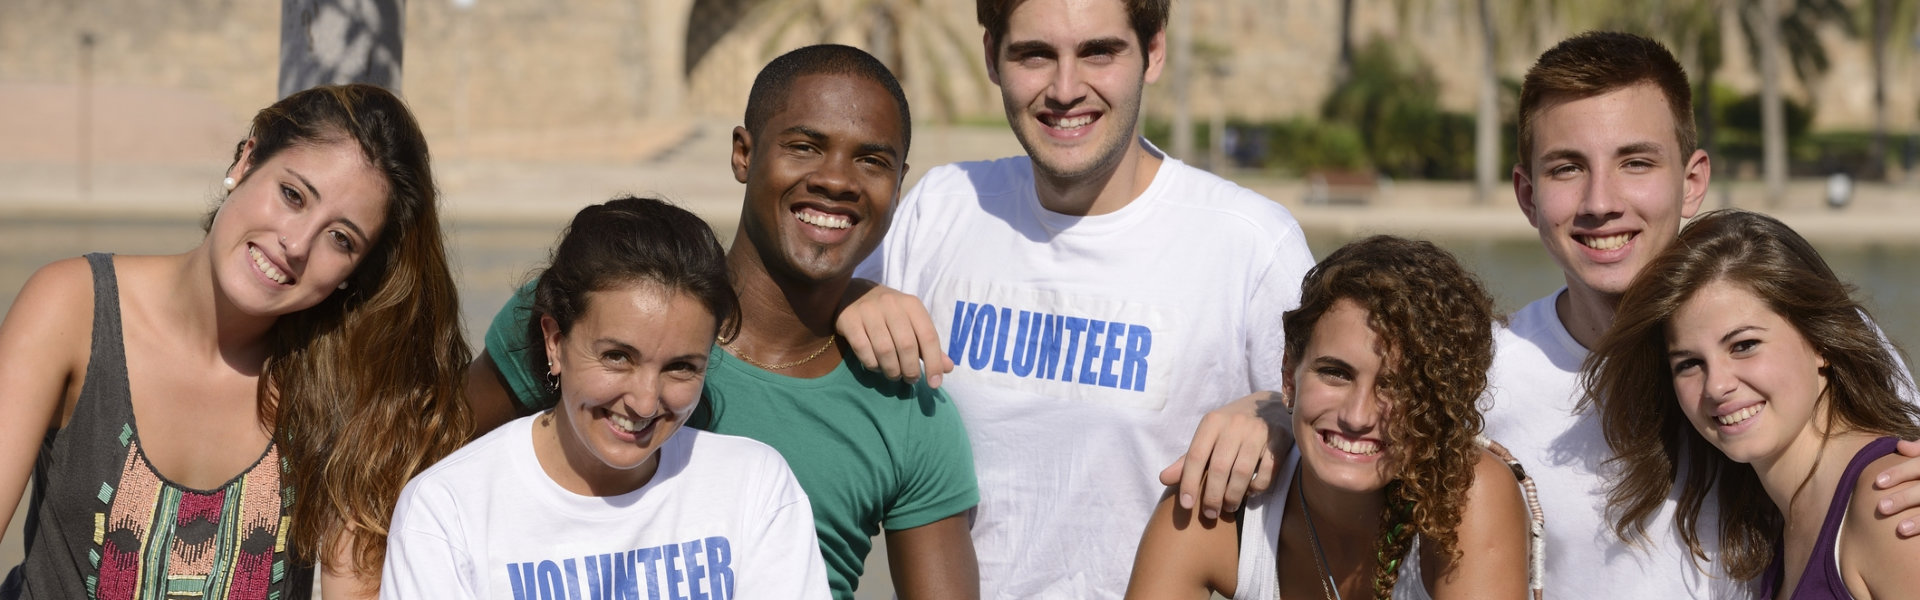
1387	493
606	495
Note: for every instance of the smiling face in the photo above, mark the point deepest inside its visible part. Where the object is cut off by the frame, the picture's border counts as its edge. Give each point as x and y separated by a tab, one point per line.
1608	186
1747	380
295	227
821	176
1070	74
630	372
1339	415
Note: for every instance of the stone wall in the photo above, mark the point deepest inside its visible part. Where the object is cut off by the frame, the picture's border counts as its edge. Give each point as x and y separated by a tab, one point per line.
614	78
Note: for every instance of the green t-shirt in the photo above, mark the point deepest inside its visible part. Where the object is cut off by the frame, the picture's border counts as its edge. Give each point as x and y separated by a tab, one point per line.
868	451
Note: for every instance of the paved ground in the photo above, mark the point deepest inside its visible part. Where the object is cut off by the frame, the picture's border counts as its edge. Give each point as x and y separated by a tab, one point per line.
505	199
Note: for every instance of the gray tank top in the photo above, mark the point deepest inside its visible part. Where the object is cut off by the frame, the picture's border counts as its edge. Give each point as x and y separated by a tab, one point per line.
102	523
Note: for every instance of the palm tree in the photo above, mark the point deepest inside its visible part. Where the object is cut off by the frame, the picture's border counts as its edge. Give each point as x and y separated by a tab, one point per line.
368	49
901	33
1489	20
1772	31
1889	20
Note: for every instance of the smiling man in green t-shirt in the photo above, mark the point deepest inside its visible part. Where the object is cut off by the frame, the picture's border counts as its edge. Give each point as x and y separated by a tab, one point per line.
822	152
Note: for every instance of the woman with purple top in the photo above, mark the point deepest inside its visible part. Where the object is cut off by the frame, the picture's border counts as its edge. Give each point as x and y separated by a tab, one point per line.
1739	345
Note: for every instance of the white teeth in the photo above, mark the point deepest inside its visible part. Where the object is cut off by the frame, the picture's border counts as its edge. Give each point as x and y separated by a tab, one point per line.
266	268
1610	242
625	424
824	220
1742	415
1073	122
1362	447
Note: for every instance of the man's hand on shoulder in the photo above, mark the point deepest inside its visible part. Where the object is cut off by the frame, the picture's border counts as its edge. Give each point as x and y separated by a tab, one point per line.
1231	457
1900	500
891	332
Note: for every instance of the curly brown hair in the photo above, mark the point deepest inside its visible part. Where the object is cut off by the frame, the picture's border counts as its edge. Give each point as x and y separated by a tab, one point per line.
1629	379
1435	323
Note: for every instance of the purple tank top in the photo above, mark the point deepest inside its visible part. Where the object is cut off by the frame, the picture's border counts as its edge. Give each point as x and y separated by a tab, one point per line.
1821	579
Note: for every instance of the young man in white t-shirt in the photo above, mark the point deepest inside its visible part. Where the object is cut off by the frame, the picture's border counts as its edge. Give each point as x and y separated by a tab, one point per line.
1609	169
1097	297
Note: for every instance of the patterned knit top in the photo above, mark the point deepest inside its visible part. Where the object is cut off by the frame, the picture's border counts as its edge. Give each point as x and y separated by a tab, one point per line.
104	524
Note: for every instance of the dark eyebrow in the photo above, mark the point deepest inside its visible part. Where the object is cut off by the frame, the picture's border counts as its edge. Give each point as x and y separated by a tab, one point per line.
1329	361
628	348
1638	148
1106	45
303	181
867	148
1025	47
878	148
315	192
1562	154
809	132
1739	330
349	224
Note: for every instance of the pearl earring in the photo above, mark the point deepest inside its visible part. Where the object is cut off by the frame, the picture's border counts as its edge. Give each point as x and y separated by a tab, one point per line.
229	183
343	285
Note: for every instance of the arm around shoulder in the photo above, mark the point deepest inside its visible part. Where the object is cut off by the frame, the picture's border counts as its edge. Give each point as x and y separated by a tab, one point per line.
44	342
1183	555
1490	559
1875	560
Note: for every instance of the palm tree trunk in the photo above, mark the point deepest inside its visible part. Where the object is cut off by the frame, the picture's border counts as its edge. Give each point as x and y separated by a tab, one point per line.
1180	59
1486	135
1345	68
1882	23
340	41
1773	123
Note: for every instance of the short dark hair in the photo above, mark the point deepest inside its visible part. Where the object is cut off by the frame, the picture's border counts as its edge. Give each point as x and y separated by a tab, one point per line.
1148	17
630	240
1597	62
773	86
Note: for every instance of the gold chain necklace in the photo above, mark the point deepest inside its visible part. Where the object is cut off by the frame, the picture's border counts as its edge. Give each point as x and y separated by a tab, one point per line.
1319	555
785	365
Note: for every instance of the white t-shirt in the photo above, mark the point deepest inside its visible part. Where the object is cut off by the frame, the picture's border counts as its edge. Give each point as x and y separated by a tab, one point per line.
1088	348
722	519
1534	387
1258	579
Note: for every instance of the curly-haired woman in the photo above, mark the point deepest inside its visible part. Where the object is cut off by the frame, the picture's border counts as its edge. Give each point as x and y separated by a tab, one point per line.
1740	369
1387	492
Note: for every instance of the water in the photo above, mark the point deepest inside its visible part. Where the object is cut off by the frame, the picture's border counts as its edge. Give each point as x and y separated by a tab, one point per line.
492	257
1519	271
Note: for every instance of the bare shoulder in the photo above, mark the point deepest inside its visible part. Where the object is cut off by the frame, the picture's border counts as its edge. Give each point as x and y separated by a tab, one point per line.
56	298
1495	489
1875	561
43	346
1490	559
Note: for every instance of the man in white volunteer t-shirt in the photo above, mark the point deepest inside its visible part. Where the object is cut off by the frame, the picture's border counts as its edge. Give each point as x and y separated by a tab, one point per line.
1608	170
1097	299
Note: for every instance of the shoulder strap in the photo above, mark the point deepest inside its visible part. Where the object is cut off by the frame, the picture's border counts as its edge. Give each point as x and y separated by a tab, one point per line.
1536	518
107	361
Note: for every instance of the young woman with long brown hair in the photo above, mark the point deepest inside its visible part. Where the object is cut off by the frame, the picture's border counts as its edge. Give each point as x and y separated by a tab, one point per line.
1387	493
1740	369
213	423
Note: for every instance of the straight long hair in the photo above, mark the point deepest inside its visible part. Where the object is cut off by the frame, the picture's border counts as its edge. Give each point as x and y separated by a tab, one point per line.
1627	377
364	389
